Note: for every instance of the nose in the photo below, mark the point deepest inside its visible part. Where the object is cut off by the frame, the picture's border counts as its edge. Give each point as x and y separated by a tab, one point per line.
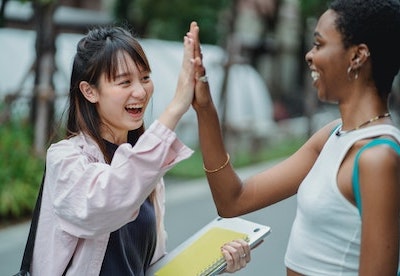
138	91
308	57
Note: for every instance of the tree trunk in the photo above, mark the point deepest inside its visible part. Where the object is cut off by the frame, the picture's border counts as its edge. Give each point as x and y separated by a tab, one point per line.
2	13
232	51
43	94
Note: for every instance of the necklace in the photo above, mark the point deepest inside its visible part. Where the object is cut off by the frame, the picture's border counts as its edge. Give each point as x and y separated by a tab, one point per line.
341	132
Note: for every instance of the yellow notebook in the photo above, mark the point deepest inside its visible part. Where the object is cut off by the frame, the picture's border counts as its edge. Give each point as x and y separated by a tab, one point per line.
203	256
201	253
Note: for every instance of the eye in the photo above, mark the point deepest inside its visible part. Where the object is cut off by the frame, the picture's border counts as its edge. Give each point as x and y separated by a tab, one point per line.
125	82
146	78
316	45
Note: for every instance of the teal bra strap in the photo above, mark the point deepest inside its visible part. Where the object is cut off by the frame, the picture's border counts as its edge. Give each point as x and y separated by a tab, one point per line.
355	182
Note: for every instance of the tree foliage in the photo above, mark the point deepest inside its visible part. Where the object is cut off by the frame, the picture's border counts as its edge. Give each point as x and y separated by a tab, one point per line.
313	8
20	172
169	19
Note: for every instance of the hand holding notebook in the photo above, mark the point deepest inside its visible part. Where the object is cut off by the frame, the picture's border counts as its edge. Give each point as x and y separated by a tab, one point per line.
201	253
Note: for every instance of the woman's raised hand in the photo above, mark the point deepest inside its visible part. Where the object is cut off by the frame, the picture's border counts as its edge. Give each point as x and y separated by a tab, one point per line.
202	96
184	94
186	80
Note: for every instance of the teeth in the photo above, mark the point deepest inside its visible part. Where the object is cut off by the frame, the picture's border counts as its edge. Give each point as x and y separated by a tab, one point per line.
133	106
314	75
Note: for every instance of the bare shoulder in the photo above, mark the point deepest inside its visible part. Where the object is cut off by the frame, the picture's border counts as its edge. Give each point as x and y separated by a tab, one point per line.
380	164
304	158
380	157
319	138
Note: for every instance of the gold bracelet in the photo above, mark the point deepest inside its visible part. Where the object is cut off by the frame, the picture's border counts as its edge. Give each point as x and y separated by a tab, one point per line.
220	168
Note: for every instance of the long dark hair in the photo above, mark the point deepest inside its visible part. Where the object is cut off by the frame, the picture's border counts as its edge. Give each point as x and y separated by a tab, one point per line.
97	54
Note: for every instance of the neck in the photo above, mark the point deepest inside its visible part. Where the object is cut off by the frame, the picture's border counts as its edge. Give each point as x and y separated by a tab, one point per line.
115	139
360	107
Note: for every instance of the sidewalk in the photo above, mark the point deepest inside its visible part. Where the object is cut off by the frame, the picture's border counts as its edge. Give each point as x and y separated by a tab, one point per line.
12	244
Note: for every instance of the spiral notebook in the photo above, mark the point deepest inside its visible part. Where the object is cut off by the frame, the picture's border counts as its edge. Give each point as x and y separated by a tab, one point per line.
201	255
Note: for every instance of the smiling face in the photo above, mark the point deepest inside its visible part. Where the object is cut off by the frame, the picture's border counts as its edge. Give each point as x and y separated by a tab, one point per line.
121	101
328	59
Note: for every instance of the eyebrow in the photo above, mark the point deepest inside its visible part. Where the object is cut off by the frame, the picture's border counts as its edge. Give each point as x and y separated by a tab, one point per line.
317	34
122	75
127	74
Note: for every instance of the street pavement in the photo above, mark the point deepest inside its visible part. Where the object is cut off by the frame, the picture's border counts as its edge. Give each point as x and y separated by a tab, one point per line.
189	207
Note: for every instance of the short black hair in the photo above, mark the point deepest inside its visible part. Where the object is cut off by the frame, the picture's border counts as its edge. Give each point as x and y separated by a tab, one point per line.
375	23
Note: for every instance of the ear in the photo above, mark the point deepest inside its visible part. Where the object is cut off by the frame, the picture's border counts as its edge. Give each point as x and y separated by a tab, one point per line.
89	92
361	55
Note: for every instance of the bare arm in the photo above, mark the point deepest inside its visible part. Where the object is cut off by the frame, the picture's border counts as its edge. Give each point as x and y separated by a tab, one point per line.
380	193
232	196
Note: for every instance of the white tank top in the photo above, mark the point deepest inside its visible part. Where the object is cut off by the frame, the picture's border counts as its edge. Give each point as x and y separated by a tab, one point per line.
325	236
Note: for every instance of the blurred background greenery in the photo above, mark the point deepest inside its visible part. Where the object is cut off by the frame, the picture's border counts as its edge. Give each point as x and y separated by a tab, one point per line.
166	19
21	171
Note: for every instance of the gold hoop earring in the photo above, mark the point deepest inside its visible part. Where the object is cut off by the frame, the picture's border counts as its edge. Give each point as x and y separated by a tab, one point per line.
349	72
349	69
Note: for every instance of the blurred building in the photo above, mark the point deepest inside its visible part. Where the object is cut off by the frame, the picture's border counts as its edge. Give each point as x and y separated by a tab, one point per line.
267	35
70	15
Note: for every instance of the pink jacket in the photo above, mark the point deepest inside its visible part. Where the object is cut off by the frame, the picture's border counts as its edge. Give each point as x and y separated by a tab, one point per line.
84	199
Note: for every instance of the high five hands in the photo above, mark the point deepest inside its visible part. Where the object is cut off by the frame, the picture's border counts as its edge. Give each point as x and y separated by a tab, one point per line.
237	252
202	96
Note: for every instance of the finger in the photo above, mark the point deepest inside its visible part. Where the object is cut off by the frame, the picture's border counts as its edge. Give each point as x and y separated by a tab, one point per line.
237	252
240	248
194	35
188	51
200	69
186	79
245	248
230	264
188	62
236	262
194	30
233	263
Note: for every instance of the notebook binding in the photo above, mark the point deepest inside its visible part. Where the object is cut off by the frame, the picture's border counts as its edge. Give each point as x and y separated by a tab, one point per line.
218	262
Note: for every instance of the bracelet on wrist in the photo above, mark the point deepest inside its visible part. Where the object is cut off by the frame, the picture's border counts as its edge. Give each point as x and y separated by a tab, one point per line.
220	168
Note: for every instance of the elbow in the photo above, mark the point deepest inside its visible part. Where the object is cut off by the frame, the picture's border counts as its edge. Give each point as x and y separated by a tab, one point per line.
229	208
226	213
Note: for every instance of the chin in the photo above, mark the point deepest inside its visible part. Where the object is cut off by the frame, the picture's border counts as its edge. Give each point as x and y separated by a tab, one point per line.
135	125
327	100
323	97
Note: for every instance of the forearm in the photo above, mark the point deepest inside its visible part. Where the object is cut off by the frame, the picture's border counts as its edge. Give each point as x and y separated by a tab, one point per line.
171	116
224	183
211	141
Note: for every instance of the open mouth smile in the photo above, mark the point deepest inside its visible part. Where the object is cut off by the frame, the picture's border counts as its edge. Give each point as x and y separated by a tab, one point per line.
134	108
314	75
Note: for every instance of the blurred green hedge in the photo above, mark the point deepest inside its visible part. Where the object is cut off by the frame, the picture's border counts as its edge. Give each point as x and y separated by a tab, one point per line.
20	172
